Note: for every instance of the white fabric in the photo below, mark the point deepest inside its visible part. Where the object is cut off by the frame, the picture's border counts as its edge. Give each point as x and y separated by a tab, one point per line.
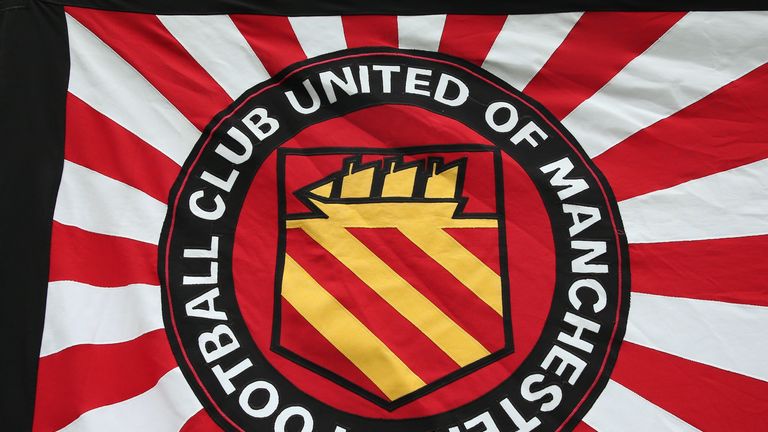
619	409
701	53
110	85
319	35
724	335
219	47
731	203
163	408
420	32
100	204
78	313
525	43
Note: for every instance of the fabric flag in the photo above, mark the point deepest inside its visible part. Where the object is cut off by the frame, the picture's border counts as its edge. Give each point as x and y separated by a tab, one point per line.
341	218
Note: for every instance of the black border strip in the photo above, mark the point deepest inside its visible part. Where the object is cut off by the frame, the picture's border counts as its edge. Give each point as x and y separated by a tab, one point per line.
400	7
34	70
6	5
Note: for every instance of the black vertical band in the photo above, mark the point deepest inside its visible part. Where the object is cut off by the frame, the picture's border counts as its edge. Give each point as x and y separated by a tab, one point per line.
34	68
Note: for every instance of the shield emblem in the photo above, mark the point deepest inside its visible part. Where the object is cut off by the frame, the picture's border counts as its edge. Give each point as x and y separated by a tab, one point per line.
393	260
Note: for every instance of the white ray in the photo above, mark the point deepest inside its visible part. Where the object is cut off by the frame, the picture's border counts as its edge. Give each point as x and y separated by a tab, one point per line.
106	82
420	32
724	335
701	53
620	409
218	46
731	203
319	35
100	204
78	313
163	408
525	43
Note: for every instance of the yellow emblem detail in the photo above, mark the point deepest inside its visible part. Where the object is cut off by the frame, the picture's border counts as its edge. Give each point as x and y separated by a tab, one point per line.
420	200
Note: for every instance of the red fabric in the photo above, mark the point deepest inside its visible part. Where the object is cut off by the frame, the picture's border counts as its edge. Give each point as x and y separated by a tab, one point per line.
724	130
720	269
98	143
707	398
84	377
370	30
100	260
621	36
143	41
470	36
272	39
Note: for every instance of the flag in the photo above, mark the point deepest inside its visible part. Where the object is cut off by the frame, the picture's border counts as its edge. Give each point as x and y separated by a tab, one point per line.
362	218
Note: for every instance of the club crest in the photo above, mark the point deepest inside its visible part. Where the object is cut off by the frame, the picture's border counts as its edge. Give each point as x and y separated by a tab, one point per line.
387	233
382	240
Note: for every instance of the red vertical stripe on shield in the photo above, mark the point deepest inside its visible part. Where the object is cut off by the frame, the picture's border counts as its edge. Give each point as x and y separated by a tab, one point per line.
143	41
596	49
470	36
370	30
272	39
